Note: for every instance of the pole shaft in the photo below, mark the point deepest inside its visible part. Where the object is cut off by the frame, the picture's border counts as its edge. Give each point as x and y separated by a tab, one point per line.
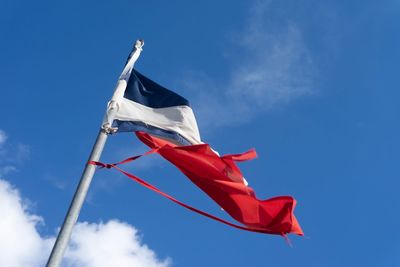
64	235
73	212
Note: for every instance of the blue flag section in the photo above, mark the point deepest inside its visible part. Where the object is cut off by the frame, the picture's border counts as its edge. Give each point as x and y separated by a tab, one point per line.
150	107
142	90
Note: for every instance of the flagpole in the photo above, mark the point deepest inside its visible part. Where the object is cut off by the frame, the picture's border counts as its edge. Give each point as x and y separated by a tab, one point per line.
64	235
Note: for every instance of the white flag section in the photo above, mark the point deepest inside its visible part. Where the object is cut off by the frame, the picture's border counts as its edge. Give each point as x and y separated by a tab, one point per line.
149	107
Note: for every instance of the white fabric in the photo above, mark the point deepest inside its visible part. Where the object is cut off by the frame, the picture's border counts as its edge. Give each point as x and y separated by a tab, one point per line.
179	119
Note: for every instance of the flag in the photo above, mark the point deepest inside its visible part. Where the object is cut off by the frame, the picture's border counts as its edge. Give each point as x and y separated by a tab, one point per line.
149	107
221	179
164	121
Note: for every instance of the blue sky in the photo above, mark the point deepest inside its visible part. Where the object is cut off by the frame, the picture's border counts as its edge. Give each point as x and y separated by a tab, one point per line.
312	85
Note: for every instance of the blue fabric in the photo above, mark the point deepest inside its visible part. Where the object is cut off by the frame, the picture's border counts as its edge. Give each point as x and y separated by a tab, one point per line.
142	90
132	126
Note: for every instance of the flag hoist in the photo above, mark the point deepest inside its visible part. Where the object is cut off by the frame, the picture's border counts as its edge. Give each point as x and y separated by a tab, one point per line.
87	175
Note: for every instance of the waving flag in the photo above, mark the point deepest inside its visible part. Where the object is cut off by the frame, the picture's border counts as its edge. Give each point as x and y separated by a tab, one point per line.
221	179
164	121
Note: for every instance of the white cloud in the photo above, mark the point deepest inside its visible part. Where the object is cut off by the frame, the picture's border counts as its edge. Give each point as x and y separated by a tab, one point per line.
112	243
20	243
271	67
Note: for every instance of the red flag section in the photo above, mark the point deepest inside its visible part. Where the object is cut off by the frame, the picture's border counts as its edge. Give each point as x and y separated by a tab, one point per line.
221	179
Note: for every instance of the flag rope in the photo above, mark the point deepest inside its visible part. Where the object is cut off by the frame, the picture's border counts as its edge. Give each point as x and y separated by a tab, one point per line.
155	189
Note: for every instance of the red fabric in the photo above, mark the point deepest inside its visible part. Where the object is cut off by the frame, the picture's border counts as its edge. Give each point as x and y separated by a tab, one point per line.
221	179
155	189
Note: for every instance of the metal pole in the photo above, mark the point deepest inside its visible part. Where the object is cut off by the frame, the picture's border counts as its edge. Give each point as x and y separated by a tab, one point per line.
64	235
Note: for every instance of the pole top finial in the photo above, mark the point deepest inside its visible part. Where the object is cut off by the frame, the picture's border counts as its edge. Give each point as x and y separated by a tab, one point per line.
139	44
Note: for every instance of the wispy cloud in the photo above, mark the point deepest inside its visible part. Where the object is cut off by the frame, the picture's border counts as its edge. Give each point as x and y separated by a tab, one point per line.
11	155
5	169
56	181
3	137
22	152
7	162
272	66
113	243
